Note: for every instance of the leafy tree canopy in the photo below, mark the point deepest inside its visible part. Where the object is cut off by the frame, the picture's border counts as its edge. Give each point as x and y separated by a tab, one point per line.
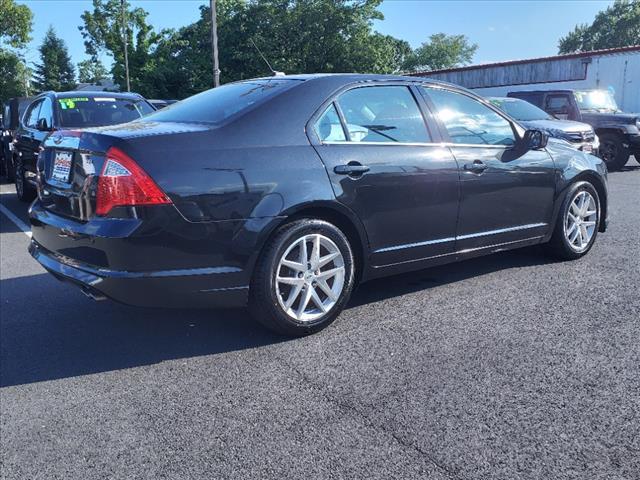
295	36
103	32
441	51
55	70
617	26
15	23
15	29
91	71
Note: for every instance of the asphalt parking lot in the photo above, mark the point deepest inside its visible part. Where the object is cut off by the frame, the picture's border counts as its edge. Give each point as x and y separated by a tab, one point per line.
506	367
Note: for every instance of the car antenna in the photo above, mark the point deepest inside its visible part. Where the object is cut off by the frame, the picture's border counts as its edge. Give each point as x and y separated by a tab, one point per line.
274	72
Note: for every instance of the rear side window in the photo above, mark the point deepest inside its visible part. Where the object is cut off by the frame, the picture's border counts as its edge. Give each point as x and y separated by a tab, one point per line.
218	104
329	127
383	114
77	112
468	121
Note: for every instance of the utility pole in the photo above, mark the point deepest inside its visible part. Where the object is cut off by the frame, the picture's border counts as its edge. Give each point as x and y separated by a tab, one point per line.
214	43
126	51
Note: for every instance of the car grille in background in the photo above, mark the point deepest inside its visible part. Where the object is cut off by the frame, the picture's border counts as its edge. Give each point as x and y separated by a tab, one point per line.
579	137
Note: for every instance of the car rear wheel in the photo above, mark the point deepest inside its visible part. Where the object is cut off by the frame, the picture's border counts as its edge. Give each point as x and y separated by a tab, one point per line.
578	221
24	190
303	279
613	151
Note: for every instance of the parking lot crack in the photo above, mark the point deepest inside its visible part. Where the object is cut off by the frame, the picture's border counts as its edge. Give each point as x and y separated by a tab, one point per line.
353	411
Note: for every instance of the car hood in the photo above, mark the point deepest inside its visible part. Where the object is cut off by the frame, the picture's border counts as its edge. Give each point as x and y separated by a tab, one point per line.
595	118
567	126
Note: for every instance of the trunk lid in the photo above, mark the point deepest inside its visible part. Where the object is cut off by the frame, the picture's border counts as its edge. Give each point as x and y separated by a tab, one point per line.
72	160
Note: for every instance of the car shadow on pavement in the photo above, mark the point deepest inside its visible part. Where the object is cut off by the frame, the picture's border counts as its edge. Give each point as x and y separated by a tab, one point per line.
49	330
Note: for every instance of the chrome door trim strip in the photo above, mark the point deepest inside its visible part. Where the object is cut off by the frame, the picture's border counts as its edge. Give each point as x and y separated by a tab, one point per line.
501	230
461	237
412	245
462	252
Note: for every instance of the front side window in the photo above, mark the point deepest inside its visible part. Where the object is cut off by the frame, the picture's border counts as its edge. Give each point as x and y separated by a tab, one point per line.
31	117
386	114
329	128
46	112
468	121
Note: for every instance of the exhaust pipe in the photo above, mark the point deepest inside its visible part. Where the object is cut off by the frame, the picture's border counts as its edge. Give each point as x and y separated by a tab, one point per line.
93	294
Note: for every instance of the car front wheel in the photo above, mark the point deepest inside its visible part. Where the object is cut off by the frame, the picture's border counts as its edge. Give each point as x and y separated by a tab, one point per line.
613	151
24	190
303	279
577	224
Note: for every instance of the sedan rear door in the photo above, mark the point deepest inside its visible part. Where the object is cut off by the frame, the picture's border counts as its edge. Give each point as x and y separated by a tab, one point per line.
386	164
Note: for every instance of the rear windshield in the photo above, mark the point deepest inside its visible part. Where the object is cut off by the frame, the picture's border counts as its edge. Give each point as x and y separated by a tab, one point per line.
219	104
521	110
78	112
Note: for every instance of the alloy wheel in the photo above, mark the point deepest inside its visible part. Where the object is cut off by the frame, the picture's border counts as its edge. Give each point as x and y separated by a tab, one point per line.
310	277
580	221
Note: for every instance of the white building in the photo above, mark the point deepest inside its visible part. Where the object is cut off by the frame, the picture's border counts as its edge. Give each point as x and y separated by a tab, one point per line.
616	69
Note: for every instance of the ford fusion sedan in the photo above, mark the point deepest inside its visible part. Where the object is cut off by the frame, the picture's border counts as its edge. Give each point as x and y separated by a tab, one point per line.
580	135
283	193
52	111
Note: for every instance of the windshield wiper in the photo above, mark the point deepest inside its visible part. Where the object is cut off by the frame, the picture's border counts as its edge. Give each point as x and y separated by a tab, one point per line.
379	129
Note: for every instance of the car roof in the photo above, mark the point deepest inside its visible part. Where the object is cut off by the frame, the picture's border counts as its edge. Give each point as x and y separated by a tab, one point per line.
354	77
84	93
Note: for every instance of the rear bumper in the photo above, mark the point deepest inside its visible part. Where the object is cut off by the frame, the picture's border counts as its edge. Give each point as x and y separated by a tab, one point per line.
194	288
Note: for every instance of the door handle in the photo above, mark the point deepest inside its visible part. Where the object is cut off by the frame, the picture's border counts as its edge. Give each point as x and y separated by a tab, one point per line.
476	167
351	168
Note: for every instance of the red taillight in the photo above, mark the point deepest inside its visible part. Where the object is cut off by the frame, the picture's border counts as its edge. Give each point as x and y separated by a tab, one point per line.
123	183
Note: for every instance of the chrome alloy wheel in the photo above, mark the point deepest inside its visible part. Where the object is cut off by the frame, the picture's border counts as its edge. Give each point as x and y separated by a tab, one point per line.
310	277
580	221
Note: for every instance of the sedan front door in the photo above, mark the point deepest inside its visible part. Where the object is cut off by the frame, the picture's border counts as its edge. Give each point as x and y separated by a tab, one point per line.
507	192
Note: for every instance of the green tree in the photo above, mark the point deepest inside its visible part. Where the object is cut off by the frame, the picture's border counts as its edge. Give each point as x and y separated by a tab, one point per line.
441	51
102	31
55	70
617	26
91	71
15	29
296	36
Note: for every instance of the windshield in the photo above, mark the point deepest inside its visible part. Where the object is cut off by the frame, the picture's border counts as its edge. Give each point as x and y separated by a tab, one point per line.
218	104
80	112
596	100
520	109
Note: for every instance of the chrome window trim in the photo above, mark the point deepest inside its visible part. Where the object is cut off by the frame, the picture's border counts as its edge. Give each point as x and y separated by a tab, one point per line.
461	237
416	144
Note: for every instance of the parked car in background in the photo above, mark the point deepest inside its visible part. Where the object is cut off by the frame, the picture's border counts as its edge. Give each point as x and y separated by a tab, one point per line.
53	111
619	132
282	193
580	135
158	104
12	110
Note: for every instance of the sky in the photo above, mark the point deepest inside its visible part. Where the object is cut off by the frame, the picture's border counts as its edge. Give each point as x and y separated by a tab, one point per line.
503	29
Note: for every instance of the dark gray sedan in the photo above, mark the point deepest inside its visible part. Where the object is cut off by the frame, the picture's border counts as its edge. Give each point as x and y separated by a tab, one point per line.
282	193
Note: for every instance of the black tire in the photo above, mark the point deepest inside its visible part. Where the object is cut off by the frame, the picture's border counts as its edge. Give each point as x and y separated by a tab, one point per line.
559	245
264	303
613	151
24	190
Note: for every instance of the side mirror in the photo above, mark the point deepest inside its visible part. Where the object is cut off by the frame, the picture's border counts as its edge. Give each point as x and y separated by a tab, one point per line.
42	125
535	139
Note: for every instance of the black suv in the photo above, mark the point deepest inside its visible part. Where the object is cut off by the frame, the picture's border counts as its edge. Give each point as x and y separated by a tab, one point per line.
52	111
619	132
